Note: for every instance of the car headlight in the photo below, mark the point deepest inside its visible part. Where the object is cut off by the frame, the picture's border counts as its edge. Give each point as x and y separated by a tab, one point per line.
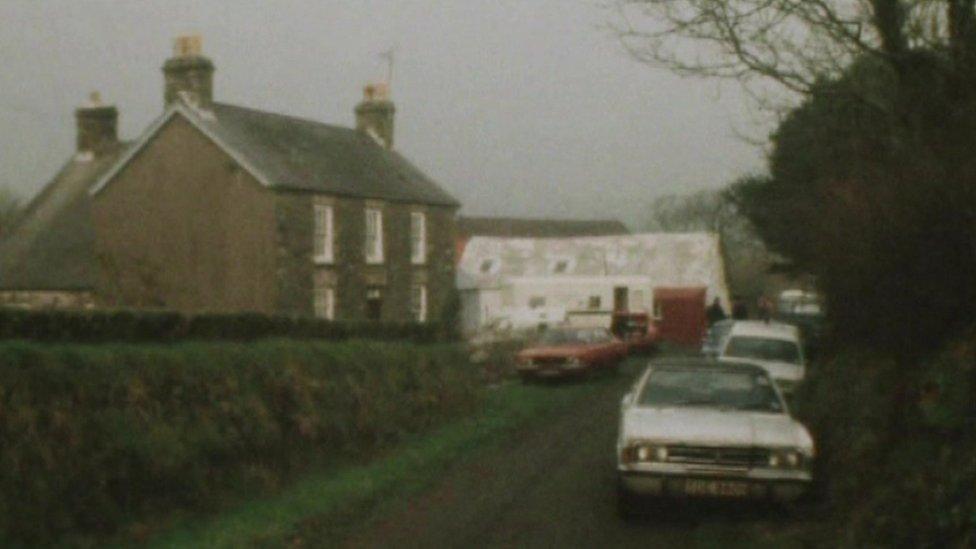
786	459
573	362
648	453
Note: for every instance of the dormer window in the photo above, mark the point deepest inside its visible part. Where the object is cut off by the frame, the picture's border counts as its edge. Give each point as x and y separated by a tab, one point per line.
489	266
560	265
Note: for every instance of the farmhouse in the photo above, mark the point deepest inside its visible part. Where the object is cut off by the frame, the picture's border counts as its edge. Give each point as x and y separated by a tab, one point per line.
528	281
218	207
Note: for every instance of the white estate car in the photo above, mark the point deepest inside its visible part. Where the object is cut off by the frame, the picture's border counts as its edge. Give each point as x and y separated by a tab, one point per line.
701	428
772	345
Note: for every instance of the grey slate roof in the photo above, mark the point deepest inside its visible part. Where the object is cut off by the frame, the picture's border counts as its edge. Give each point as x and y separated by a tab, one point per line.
511	227
50	246
301	154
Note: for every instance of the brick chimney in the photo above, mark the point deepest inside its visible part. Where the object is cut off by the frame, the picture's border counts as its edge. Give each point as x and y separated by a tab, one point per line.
374	115
188	73
97	125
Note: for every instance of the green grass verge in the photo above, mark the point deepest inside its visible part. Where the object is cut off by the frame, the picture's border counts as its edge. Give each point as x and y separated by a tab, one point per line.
330	500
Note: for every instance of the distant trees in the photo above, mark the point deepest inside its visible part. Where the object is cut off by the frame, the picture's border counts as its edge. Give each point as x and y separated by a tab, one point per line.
747	260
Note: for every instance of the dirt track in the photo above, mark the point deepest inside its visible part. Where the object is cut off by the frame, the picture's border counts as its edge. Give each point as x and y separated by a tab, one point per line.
552	485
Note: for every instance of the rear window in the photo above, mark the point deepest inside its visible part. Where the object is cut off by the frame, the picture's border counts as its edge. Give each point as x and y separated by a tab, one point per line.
761	348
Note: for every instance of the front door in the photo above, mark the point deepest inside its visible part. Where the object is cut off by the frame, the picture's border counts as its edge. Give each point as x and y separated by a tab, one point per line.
620	298
374	304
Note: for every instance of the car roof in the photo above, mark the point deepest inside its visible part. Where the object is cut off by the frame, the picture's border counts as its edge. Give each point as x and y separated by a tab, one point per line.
771	330
705	363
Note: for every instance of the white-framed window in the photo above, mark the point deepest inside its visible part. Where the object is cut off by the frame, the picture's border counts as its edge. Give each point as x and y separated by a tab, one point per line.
325	302
374	235
419	302
418	238
324	239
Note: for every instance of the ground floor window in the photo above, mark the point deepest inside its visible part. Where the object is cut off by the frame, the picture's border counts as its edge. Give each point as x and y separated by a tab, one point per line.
325	302
418	302
374	304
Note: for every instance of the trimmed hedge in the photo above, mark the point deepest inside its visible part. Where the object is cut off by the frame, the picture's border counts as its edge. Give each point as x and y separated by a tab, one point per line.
162	326
98	438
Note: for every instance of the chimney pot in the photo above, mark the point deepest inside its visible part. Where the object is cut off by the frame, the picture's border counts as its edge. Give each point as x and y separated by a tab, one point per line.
375	114
188	72
97	125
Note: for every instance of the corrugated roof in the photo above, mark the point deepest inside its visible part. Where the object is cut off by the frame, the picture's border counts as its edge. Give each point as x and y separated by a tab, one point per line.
513	227
51	244
673	260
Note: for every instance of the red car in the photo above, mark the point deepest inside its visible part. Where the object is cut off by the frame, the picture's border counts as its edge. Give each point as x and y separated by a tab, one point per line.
636	330
564	352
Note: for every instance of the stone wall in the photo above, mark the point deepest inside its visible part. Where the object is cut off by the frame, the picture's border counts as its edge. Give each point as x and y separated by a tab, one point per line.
349	273
183	227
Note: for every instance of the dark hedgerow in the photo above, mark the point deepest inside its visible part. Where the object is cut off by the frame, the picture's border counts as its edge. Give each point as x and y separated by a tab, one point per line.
164	326
94	438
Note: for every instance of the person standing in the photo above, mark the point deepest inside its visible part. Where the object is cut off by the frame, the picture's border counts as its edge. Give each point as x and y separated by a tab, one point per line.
765	309
715	313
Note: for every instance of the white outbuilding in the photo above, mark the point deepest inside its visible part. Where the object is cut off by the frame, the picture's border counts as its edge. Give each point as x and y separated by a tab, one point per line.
530	281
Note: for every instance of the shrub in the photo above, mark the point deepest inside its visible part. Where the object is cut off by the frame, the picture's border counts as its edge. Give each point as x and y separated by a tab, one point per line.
166	326
909	487
95	437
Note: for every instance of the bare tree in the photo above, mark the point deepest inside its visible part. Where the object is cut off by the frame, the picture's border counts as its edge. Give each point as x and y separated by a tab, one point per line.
747	260
792	43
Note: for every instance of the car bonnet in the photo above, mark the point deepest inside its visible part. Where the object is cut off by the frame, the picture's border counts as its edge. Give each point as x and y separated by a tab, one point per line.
704	426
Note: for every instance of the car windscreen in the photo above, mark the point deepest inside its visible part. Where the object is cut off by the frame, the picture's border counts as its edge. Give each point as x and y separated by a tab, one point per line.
704	388
761	348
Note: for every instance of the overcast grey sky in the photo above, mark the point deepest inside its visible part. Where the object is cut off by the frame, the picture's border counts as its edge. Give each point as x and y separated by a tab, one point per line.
518	107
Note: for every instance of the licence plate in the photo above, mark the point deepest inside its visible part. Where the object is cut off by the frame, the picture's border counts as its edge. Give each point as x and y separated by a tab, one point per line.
716	488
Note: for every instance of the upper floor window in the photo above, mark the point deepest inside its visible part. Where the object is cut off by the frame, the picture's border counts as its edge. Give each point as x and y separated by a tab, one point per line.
418	238
374	235
324	234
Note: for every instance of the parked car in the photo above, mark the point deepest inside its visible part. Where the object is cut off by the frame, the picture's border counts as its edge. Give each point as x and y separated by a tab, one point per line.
637	330
571	351
715	337
774	346
698	428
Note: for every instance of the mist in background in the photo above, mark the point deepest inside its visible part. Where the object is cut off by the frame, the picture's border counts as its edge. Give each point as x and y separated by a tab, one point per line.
525	108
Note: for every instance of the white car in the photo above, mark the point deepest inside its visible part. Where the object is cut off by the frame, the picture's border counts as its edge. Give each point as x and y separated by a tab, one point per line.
704	429
772	345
